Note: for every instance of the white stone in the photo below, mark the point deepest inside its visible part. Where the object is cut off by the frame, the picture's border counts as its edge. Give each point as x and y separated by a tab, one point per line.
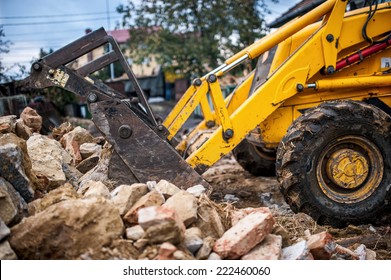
166	189
134	233
88	149
125	196
47	158
94	188
214	257
298	251
197	190
186	205
6	252
161	224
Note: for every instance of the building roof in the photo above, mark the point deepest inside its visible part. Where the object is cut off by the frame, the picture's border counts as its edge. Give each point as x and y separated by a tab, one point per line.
120	35
295	11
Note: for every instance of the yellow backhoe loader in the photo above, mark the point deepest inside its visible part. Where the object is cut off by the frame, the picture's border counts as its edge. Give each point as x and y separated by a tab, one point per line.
315	112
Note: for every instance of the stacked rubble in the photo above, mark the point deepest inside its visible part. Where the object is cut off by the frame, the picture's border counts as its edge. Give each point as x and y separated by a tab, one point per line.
58	202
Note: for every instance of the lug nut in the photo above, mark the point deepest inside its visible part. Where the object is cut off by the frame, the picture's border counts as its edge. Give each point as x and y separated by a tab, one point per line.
124	131
212	78
37	66
210	124
228	133
92	97
330	70
299	87
330	38
197	82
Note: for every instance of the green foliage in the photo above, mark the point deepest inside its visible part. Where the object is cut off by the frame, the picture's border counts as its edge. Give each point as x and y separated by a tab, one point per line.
43	52
104	73
190	36
4	48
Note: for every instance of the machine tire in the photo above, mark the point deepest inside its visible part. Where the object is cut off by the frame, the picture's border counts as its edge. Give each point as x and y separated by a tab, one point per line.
255	160
334	163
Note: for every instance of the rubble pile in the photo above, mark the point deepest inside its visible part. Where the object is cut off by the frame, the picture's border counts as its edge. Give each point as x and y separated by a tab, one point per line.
57	201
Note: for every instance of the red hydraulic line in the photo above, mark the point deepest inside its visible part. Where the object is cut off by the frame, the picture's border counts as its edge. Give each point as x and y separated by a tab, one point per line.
361	54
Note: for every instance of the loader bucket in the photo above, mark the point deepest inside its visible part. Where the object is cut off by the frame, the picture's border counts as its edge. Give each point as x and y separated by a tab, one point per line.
127	123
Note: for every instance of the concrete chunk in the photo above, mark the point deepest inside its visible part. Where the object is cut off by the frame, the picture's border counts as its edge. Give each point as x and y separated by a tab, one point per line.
370	255
214	257
88	149
196	190
15	165
166	188
193	240
166	251
72	140
7	123
298	251
186	205
125	196
65	192
67	229
32	119
87	164
94	188
269	249
22	130
161	224
47	158
4	230
12	206
244	236
150	199
6	252
8	210
321	245
135	233
206	249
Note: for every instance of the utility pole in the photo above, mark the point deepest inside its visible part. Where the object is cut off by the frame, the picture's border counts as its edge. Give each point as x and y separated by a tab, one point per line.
110	47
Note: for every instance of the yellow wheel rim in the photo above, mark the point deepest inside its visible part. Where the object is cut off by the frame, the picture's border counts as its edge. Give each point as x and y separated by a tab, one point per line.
349	169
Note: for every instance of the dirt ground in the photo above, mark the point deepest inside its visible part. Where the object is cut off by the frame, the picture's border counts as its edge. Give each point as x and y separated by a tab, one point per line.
238	188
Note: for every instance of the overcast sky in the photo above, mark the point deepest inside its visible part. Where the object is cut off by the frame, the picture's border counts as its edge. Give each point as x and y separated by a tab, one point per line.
34	24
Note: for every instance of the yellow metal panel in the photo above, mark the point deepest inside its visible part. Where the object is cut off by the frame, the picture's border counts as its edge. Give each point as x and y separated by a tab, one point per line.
187	110
331	34
179	106
240	94
206	110
274	127
219	105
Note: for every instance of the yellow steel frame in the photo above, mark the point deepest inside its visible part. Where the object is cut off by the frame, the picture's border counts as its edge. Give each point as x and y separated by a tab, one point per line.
328	41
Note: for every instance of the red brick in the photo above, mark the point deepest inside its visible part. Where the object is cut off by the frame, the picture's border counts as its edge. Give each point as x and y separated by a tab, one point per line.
244	236
321	245
268	249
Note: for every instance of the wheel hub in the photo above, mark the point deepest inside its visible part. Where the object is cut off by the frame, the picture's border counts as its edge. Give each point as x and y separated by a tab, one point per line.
347	168
350	169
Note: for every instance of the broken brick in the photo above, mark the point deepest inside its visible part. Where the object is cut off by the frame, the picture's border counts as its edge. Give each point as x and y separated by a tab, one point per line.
244	236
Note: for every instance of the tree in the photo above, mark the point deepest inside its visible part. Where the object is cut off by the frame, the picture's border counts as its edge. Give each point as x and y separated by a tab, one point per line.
190	36
8	74
4	48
